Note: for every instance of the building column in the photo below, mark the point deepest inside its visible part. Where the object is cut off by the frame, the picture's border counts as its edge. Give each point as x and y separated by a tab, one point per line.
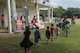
52	15
9	17
13	9
37	12
13	4
6	16
49	15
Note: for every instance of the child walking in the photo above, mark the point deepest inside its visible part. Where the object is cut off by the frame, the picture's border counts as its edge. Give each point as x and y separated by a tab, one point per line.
52	31
26	43
67	29
57	31
37	36
47	34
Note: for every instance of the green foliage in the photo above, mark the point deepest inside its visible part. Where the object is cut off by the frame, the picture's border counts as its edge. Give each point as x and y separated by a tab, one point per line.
73	11
58	12
44	12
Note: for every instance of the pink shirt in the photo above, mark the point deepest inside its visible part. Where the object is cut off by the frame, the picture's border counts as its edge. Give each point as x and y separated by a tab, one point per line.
2	18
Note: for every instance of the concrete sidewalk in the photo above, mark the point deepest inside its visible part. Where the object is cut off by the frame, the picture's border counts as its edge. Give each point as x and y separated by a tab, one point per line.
3	30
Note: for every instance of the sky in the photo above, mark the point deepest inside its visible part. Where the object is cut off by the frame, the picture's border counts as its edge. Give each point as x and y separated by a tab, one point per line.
65	3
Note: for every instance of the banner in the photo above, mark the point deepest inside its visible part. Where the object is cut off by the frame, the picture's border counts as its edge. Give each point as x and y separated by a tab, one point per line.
15	15
19	24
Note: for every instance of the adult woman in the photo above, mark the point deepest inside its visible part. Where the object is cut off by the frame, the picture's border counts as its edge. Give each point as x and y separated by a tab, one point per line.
26	43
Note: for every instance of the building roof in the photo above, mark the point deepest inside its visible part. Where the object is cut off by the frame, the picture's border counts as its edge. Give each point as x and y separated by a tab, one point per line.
28	3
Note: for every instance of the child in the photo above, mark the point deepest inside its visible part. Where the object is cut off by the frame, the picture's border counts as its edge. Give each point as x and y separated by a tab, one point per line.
37	36
47	34
67	28
57	31
52	31
63	26
2	21
26	43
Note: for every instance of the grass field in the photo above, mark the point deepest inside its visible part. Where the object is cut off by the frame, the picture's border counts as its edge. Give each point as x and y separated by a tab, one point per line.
10	43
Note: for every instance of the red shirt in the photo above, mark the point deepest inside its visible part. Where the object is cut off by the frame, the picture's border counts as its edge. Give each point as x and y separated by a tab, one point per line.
33	22
2	18
52	30
73	18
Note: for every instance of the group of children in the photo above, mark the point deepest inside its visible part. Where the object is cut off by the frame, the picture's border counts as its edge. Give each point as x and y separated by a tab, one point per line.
50	31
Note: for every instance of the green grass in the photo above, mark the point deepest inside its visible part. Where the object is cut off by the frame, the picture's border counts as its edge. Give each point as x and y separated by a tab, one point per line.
10	43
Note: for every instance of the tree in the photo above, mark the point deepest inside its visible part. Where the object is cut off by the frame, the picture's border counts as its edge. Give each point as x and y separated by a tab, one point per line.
44	12
59	12
73	11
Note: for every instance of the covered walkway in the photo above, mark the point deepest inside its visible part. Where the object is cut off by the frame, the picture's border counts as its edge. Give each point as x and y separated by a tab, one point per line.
9	7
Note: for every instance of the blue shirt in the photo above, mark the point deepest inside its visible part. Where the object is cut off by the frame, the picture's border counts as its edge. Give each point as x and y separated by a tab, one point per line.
37	32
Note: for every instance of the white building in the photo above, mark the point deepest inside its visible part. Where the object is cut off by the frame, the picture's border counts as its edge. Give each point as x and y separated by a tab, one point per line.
8	7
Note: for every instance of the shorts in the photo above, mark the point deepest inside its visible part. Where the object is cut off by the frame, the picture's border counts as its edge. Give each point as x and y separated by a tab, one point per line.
52	34
73	21
68	31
